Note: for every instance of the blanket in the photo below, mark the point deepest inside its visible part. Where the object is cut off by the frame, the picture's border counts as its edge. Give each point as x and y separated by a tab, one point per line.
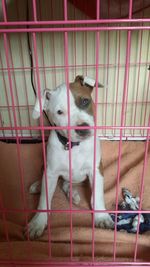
55	245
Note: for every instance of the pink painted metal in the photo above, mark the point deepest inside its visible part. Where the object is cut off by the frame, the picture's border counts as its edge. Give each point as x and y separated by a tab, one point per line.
72	22
34	10
104	65
142	189
43	137
77	29
95	134
69	125
16	128
17	140
123	114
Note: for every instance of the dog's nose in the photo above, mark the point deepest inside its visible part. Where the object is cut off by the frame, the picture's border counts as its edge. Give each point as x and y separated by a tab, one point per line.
82	132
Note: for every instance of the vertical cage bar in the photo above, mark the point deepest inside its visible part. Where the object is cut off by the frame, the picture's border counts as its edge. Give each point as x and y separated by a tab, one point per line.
69	124
15	123
130	8
43	138
140	58
125	91
69	138
95	144
25	82
98	9
128	72
65	10
4	10
10	256
147	91
85	54
34	10
43	60
117	193
1	125
42	45
29	120
6	95
75	48
125	106
137	89
108	71
142	189
124	99
117	86
15	85
147	97
54	47
95	133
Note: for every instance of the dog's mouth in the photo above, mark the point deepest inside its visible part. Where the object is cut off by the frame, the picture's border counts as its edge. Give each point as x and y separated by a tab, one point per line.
82	132
77	137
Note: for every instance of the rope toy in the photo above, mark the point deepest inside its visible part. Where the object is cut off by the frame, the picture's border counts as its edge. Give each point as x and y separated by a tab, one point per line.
129	221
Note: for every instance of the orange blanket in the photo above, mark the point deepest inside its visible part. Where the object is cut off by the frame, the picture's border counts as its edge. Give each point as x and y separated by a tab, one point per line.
13	197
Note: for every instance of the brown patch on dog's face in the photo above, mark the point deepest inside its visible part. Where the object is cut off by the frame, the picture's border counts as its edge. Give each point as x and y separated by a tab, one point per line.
82	95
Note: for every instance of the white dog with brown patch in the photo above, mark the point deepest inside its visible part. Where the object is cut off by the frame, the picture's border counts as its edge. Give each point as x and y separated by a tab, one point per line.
82	150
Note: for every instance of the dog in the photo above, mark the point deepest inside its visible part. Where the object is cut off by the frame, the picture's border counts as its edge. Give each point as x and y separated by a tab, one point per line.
82	150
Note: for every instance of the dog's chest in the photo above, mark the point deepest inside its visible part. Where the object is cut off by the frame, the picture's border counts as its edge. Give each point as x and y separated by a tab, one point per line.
80	159
80	164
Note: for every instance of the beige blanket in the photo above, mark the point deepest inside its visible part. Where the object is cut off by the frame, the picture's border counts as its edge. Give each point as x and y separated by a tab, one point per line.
14	244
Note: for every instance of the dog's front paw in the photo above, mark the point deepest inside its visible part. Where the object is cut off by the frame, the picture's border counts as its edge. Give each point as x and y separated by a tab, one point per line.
36	226
103	220
75	194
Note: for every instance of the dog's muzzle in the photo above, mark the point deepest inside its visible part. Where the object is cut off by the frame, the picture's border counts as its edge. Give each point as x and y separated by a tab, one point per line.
83	132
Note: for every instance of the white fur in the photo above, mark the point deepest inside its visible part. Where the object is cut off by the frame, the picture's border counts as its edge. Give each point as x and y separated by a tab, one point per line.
58	160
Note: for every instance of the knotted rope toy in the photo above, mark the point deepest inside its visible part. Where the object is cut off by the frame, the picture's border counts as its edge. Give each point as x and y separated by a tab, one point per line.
129	221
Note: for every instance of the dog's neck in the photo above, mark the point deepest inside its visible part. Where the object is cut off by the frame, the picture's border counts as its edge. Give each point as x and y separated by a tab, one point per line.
65	141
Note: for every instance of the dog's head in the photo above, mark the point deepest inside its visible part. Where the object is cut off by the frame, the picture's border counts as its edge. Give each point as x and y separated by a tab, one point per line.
81	107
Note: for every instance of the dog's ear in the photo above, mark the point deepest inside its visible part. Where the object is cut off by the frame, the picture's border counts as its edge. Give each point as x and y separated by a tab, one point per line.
45	96
87	81
79	79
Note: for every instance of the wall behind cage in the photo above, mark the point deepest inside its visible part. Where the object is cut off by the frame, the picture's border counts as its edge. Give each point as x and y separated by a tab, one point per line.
82	60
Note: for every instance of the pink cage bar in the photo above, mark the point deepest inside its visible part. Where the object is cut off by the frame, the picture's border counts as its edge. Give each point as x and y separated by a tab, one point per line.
27	30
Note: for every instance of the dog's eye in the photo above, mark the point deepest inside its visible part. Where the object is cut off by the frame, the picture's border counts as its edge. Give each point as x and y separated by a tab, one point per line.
59	112
85	102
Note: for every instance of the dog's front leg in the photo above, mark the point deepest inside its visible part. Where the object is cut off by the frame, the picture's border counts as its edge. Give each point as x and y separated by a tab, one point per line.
102	220
38	223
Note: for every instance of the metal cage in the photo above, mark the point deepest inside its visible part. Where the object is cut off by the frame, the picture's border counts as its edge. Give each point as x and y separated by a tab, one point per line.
45	43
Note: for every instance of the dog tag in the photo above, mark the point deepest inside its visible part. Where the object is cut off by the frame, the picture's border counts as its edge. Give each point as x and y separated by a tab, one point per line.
66	146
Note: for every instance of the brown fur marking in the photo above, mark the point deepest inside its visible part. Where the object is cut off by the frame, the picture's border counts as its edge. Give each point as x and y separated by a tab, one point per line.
81	91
